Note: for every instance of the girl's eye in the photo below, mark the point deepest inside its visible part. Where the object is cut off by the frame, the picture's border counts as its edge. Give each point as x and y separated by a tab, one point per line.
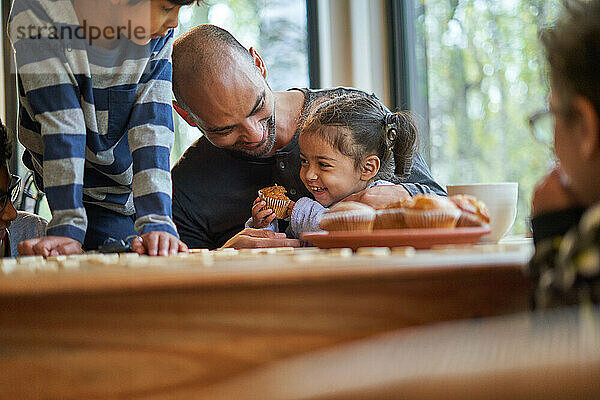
323	165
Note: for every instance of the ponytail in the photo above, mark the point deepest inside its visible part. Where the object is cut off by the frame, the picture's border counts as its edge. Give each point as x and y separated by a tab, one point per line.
401	139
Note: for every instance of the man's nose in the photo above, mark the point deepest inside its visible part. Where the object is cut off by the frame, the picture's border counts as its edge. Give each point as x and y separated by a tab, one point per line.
252	130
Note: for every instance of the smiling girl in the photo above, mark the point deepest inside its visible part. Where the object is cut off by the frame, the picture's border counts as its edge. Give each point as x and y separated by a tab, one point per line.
347	144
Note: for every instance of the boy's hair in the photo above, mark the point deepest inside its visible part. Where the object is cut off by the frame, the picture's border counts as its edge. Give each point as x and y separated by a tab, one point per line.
573	51
5	149
371	129
177	2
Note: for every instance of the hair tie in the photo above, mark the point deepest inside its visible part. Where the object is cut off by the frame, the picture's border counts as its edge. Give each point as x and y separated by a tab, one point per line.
391	130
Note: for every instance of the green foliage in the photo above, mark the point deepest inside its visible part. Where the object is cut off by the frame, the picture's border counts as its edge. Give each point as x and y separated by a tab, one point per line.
486	75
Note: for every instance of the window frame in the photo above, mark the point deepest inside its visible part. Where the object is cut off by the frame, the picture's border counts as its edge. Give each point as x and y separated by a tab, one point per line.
404	67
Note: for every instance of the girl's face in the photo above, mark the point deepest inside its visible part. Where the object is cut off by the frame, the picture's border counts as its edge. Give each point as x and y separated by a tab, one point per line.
328	174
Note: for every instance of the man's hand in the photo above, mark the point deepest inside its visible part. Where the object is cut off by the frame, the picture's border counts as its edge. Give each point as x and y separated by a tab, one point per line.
552	193
252	238
261	216
158	243
49	246
379	196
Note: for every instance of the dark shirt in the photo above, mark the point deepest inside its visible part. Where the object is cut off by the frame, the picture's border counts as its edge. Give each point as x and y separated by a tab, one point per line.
213	188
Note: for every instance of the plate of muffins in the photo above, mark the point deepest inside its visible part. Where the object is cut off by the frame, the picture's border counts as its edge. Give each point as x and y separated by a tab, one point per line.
421	222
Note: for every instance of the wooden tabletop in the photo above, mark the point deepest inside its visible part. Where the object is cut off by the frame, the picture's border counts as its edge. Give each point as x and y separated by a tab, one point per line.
169	328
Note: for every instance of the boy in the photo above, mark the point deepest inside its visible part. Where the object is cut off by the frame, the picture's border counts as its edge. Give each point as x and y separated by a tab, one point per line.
94	80
566	203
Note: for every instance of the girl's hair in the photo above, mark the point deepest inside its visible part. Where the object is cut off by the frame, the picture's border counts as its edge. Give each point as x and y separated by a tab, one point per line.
5	147
370	129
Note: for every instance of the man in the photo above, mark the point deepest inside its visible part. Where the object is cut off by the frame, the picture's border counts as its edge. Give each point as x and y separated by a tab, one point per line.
566	203
250	137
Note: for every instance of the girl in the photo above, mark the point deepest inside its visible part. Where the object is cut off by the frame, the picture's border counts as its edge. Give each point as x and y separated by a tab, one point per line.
347	144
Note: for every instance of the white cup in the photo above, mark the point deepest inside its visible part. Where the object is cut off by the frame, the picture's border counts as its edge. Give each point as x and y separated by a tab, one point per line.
501	201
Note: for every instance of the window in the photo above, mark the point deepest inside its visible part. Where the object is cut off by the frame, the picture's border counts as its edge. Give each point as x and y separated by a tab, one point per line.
486	73
277	29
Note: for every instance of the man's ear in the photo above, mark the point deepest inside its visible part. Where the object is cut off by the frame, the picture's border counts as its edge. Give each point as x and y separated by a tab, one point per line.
258	61
589	127
183	114
369	168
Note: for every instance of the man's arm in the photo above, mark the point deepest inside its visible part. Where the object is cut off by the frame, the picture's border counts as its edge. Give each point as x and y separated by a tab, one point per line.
420	179
260	238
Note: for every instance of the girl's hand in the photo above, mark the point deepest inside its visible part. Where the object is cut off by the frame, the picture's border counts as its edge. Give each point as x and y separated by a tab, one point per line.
261	216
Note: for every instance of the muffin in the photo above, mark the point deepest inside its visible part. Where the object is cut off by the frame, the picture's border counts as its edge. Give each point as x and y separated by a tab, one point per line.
276	200
392	216
430	211
473	211
348	216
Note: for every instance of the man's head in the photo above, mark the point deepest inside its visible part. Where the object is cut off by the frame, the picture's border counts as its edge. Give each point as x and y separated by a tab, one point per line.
573	52
220	87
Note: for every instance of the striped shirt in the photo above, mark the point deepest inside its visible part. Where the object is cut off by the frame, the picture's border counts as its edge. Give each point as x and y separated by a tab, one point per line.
97	124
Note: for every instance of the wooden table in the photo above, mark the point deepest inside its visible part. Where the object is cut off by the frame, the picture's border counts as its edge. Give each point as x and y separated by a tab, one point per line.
169	330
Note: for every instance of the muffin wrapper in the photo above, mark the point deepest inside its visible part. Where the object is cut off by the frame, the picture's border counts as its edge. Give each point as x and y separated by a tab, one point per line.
279	206
392	218
431	218
348	221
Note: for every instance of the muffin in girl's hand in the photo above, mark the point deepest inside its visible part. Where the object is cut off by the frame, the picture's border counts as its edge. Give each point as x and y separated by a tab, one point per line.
430	211
276	200
473	211
348	216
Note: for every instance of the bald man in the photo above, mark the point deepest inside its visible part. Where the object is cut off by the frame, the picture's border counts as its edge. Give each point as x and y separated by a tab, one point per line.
250	139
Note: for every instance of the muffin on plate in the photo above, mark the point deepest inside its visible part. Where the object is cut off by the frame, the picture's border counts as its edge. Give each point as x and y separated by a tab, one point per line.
473	211
430	211
392	216
348	216
276	200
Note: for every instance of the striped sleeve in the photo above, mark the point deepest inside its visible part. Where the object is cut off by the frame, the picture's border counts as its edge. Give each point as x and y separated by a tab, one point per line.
51	114
150	135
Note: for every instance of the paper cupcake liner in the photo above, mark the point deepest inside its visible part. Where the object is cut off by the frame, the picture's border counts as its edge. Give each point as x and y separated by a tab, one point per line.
392	218
279	206
431	218
348	221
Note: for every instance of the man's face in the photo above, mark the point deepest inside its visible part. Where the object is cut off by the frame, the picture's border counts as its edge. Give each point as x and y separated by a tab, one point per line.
235	110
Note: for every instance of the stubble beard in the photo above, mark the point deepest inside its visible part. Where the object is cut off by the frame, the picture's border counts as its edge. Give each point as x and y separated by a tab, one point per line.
269	141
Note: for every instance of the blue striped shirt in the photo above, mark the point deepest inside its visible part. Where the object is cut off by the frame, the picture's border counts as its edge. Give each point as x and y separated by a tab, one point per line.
96	124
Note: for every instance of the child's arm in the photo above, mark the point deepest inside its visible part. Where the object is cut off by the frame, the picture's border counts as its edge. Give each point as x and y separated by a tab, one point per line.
50	107
150	135
306	216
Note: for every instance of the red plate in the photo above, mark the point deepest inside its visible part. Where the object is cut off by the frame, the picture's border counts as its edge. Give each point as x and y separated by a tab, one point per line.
417	238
